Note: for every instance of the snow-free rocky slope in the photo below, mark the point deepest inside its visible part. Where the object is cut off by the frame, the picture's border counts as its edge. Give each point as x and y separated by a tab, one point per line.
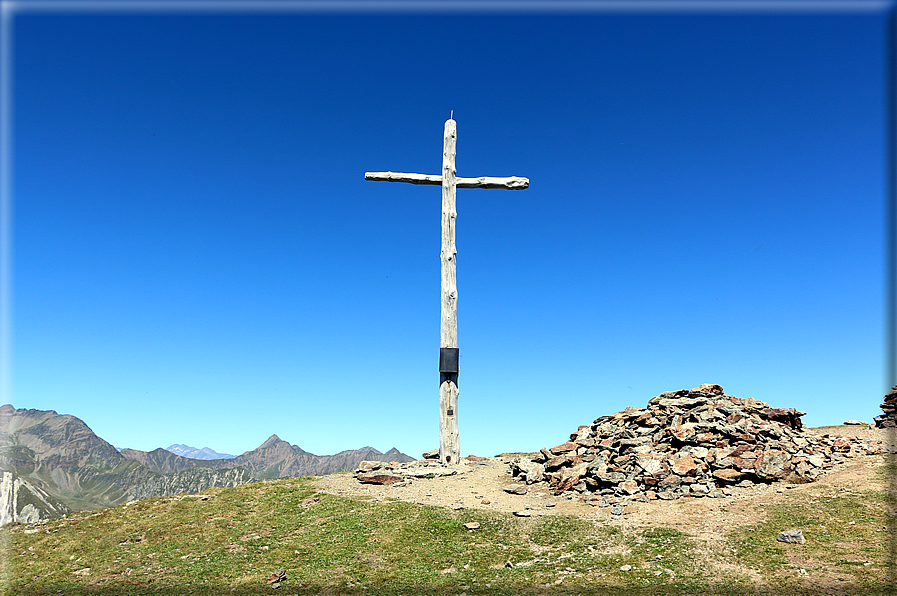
55	463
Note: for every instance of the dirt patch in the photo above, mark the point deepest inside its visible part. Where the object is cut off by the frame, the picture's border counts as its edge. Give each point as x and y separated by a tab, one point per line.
703	517
708	520
859	432
479	485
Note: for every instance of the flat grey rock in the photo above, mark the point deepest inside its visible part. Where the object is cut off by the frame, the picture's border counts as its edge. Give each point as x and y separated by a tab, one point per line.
792	537
514	489
425	472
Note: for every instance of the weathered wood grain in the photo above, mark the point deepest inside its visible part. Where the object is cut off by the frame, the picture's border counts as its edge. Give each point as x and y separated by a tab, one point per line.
449	444
509	183
449	450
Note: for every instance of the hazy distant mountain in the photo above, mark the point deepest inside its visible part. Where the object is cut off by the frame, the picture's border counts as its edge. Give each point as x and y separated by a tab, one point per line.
194	453
275	458
162	461
56	463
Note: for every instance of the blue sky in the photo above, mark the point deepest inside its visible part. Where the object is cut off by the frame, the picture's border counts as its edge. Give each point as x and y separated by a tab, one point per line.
196	256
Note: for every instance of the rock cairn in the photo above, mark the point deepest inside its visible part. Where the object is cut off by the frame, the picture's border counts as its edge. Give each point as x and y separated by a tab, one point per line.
889	407
694	442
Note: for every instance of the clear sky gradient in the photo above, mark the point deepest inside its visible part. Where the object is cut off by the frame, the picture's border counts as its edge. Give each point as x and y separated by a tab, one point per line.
197	258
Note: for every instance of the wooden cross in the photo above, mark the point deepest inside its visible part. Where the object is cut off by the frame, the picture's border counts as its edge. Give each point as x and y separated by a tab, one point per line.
449	450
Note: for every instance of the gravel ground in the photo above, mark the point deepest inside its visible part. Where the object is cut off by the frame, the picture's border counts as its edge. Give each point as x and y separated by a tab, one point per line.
480	485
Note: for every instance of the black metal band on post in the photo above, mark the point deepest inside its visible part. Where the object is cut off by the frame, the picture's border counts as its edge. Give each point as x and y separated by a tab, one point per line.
449	449
448	360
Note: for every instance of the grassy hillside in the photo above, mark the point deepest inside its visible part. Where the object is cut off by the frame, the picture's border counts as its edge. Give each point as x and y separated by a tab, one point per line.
227	541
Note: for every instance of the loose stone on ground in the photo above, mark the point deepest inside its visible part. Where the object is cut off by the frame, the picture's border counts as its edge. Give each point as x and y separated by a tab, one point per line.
792	537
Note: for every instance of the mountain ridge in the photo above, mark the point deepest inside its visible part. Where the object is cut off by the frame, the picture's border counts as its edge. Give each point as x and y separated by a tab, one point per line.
63	464
274	458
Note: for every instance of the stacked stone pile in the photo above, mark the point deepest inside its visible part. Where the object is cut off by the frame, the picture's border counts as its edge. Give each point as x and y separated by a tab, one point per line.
889	418
688	442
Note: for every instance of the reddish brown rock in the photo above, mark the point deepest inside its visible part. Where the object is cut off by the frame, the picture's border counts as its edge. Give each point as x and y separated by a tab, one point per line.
277	577
685	467
670	481
569	477
709	388
728	475
557	462
787	416
746	451
841	445
772	464
707	438
564	448
630	486
745	463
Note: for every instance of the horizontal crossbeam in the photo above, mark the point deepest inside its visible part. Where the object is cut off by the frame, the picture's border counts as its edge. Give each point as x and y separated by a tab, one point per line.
511	183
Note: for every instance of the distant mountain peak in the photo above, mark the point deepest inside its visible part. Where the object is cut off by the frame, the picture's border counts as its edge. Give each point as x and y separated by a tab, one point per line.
205	453
271	442
64	460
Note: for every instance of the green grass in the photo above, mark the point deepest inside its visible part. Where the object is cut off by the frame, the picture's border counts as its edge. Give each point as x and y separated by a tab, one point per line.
847	542
228	541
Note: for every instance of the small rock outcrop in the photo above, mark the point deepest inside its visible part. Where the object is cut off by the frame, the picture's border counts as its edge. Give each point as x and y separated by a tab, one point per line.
23	502
191	482
889	407
399	473
687	443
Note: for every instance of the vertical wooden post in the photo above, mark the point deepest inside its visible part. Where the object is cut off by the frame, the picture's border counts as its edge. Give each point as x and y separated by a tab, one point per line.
449	449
